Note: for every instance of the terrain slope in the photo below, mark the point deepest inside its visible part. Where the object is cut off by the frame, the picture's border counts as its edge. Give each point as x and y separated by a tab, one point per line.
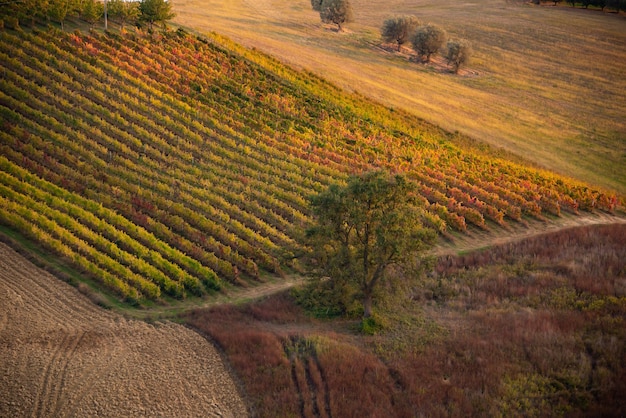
544	82
169	166
62	356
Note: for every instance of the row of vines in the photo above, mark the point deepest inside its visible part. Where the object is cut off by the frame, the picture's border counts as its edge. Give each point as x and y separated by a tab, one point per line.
173	165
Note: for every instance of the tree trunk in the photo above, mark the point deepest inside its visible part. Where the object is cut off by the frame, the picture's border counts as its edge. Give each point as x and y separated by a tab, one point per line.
367	305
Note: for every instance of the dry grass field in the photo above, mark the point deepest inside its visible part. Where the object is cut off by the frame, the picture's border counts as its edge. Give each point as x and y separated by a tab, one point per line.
547	83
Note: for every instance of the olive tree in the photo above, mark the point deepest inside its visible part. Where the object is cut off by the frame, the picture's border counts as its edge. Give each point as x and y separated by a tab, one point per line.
365	228
458	53
427	40
336	11
398	29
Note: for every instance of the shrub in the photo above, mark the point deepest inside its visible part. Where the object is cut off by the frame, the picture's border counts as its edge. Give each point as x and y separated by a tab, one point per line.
371	325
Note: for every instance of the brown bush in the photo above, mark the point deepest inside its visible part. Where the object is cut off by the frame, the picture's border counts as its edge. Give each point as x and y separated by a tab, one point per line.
257	356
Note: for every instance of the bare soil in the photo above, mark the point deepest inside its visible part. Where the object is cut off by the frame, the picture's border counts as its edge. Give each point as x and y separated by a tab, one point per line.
62	356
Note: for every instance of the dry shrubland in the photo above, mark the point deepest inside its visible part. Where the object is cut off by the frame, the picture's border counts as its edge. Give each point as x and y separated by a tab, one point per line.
532	328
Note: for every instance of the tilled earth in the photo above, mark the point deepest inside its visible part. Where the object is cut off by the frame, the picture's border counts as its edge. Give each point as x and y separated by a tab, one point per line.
62	356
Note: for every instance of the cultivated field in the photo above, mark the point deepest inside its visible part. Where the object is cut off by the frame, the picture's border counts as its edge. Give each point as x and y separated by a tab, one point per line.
185	165
547	83
61	356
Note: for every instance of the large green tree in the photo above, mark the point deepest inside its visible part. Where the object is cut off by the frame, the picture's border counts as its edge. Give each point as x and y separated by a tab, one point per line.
364	228
59	10
335	11
155	11
398	29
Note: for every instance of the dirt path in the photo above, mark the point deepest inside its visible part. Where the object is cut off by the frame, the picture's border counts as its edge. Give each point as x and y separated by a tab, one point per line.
460	243
61	356
518	231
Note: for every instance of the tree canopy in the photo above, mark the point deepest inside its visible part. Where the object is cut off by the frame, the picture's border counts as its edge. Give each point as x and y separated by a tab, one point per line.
398	29
458	53
427	40
123	11
155	11
60	9
92	11
316	5
335	11
364	228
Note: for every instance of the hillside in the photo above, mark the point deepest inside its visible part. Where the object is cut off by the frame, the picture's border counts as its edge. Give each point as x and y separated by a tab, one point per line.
532	328
172	166
546	83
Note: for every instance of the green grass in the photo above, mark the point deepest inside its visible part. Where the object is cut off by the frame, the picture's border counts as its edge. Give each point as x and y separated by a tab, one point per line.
537	86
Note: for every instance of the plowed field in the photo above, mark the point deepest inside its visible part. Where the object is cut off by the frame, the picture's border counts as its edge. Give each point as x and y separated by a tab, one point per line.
61	356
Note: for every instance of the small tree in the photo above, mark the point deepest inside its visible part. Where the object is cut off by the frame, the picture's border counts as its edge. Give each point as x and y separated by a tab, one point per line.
155	11
92	11
336	11
124	11
398	29
60	9
427	40
364	228
458	53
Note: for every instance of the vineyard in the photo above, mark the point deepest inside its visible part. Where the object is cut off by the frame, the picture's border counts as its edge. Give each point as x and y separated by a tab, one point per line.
169	166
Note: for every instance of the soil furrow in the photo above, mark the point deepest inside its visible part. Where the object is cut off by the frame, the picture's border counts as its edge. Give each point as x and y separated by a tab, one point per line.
45	394
63	356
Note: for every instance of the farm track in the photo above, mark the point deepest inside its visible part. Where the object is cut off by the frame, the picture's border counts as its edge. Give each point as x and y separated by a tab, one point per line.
518	231
474	240
63	356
